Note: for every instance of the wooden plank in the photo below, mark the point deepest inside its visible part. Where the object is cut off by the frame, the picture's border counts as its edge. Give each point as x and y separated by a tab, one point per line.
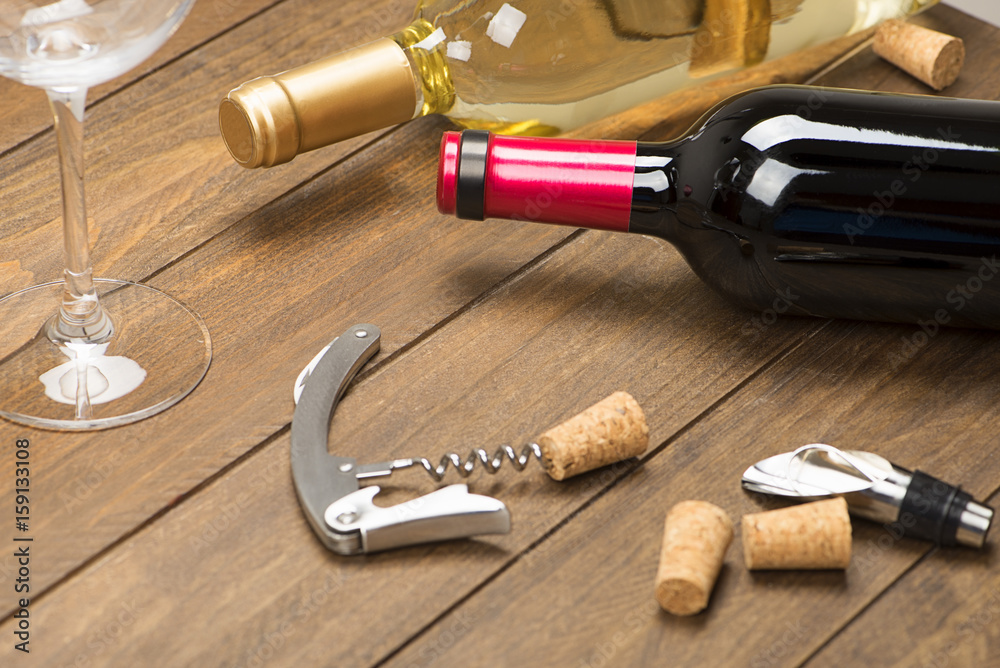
25	113
636	631
585	596
980	78
159	178
606	311
272	295
941	613
224	261
203	194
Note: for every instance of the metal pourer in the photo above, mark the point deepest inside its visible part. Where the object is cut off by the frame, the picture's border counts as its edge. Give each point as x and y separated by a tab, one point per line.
875	489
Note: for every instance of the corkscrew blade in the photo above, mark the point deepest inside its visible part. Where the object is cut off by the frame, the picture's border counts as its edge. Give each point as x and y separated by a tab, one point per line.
343	514
915	503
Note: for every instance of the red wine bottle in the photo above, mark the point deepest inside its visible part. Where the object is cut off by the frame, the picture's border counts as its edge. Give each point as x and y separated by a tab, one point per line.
836	203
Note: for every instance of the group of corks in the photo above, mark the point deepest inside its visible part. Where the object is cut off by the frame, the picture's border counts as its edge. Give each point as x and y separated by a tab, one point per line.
697	534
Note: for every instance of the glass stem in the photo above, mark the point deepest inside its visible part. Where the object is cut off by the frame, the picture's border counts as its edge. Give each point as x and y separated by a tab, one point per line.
81	318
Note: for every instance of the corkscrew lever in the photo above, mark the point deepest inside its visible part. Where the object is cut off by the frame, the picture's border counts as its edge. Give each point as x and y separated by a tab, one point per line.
342	513
914	503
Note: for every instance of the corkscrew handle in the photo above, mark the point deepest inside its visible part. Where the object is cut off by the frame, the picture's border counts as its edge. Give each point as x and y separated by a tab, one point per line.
343	514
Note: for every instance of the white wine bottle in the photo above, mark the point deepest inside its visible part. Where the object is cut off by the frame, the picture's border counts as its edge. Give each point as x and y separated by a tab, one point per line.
527	66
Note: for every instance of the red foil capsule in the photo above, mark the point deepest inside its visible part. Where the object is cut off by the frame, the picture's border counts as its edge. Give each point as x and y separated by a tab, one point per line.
562	181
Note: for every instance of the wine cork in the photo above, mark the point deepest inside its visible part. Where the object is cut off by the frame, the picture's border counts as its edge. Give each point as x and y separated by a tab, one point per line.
695	538
928	55
611	430
814	535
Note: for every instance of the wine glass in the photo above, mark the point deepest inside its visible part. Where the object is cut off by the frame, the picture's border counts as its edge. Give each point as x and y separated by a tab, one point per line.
83	352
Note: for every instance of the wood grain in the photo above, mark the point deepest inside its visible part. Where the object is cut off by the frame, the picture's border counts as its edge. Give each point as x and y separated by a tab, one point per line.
272	295
469	383
153	221
980	78
944	612
159	179
586	594
178	541
25	113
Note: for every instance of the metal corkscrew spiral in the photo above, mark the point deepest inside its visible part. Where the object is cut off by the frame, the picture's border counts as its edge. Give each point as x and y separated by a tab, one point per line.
481	456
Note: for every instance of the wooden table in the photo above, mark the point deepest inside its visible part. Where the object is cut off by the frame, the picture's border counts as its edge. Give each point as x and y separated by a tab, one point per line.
178	541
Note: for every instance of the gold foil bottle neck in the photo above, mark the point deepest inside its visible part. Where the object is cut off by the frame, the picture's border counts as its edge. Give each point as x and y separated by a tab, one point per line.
270	120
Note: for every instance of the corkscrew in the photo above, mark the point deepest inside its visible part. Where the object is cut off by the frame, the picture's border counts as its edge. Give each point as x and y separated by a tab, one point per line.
344	515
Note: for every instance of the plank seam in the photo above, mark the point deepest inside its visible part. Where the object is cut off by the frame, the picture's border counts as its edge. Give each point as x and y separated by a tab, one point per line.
286	428
175	503
991	500
765	366
281	196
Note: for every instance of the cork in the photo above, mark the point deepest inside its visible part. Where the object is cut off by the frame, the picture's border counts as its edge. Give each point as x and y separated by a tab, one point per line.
928	55
611	430
695	538
811	536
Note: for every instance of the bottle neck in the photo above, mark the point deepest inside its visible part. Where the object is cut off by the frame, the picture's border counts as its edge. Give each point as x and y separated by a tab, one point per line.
430	70
270	120
623	186
655	188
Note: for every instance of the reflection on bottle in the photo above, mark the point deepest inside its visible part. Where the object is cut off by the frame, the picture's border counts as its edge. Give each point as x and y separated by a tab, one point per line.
91	377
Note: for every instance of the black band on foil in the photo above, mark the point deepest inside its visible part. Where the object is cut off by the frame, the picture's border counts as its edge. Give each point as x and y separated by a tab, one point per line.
470	189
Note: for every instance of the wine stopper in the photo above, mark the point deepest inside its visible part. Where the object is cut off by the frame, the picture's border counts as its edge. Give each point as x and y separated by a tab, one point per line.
343	514
875	489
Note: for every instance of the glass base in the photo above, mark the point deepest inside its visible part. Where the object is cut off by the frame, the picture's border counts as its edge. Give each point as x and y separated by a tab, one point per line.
160	351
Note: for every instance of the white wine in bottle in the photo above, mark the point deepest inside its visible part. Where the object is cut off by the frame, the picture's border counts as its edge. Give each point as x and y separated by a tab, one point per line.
527	66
